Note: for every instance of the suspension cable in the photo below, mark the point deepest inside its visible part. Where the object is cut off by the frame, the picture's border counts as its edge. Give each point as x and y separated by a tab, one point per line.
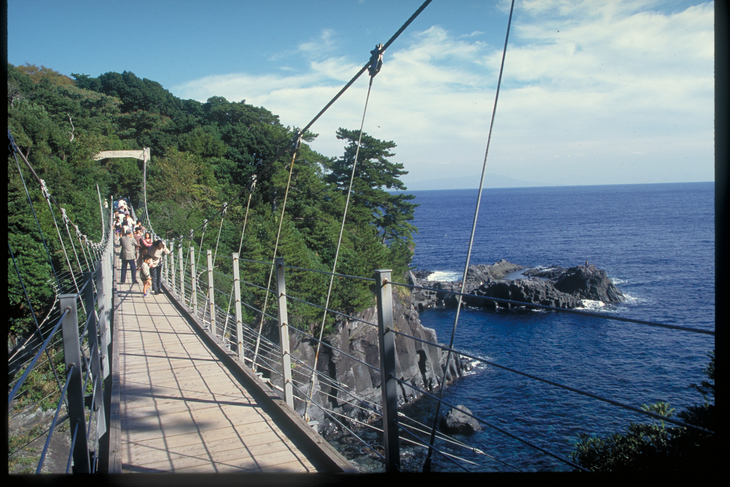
580	312
276	245
47	195
368	64
220	229
300	134
376	63
33	314
427	463
200	246
48	198
240	246
32	207
64	217
493	426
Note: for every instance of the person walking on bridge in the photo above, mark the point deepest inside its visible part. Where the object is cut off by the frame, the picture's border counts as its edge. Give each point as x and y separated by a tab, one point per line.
157	250
144	246
128	256
141	248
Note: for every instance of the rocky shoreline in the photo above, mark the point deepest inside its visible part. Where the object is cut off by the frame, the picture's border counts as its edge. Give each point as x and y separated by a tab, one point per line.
350	358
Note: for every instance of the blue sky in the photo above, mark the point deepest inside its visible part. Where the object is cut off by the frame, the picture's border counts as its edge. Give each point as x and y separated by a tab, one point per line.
594	92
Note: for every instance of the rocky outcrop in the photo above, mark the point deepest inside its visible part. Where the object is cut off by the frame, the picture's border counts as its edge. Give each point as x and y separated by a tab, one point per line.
513	284
459	421
351	361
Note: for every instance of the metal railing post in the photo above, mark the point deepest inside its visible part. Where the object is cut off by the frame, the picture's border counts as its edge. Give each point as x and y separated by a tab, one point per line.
194	285
182	274
284	332
106	278
172	267
211	290
75	391
388	384
93	340
104	281
237	306
165	268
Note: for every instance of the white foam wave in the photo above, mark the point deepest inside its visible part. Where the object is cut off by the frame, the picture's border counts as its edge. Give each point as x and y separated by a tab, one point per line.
592	305
475	366
442	276
630	299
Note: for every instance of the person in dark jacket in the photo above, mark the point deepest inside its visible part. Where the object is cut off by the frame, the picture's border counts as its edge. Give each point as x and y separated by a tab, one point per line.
128	255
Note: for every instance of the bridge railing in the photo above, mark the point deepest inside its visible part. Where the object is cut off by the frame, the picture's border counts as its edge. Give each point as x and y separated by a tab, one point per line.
255	323
81	327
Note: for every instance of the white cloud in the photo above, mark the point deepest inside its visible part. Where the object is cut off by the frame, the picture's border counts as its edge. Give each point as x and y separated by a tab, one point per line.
592	92
320	47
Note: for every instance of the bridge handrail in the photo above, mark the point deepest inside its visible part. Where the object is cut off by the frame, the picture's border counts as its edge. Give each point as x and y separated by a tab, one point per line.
86	339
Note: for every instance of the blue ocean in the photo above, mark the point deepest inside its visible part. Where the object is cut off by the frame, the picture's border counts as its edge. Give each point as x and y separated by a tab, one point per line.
657	244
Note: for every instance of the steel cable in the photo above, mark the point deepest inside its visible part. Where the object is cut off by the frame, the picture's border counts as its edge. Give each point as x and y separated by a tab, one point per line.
342	229
427	463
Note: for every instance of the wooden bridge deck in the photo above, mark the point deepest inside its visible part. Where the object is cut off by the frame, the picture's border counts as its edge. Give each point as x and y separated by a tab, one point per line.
181	409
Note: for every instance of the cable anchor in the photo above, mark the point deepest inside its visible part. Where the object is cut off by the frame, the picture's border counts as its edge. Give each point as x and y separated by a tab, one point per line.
44	189
376	60
297	140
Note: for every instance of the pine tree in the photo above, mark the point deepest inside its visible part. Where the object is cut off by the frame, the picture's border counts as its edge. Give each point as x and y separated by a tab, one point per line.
373	200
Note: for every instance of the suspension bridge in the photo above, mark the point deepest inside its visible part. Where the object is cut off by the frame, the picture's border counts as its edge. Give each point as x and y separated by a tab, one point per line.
184	381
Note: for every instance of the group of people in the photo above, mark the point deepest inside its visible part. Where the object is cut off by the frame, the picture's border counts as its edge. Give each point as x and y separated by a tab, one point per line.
123	221
139	251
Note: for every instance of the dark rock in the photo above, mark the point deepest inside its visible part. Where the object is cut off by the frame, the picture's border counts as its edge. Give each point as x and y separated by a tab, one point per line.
533	291
498	270
459	421
588	282
555	287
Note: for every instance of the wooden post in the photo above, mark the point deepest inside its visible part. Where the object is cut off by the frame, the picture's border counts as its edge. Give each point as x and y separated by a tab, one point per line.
388	384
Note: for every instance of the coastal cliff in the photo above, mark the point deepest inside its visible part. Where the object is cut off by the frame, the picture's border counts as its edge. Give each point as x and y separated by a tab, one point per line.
350	360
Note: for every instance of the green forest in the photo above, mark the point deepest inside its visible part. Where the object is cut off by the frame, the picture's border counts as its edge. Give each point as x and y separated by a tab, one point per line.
204	157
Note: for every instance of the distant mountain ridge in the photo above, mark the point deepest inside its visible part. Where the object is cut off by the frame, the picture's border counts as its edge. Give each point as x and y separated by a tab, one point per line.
469	182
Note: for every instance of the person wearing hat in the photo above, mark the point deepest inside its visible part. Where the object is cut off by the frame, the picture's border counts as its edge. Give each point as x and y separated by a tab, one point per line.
128	255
